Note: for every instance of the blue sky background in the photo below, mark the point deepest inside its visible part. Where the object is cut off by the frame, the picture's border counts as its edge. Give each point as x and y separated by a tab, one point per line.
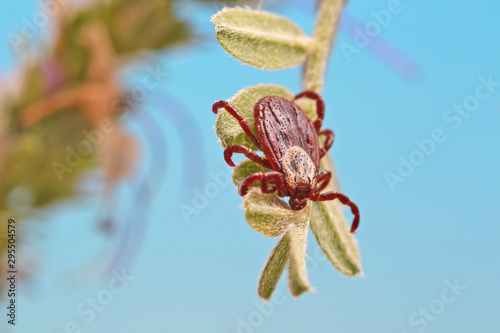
439	226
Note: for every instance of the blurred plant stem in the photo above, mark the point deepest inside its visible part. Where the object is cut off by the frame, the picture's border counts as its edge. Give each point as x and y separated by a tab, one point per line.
325	30
329	13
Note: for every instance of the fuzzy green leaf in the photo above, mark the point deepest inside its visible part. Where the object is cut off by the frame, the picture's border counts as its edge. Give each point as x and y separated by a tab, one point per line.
227	127
269	215
332	231
291	246
261	39
274	269
297	274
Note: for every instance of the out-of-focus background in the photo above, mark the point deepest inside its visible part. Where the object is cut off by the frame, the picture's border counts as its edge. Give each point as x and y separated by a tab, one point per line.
412	93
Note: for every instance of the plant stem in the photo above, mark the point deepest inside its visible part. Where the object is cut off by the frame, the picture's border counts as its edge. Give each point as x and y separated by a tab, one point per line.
315	67
324	35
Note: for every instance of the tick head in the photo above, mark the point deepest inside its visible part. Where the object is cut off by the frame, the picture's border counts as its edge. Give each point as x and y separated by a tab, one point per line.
300	176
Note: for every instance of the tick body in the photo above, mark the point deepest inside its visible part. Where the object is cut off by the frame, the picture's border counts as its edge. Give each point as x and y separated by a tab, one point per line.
289	141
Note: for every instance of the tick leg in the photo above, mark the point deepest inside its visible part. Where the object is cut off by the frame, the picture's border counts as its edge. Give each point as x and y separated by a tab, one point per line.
329	137
345	200
241	120
249	153
320	106
323	180
273	177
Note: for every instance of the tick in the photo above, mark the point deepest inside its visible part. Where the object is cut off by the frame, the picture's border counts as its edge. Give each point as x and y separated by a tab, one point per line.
289	141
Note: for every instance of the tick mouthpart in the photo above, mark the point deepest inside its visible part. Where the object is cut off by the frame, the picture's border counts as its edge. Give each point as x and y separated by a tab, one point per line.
297	204
303	185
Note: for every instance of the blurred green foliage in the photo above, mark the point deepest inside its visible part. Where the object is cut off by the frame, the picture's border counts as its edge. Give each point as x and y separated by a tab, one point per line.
52	106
